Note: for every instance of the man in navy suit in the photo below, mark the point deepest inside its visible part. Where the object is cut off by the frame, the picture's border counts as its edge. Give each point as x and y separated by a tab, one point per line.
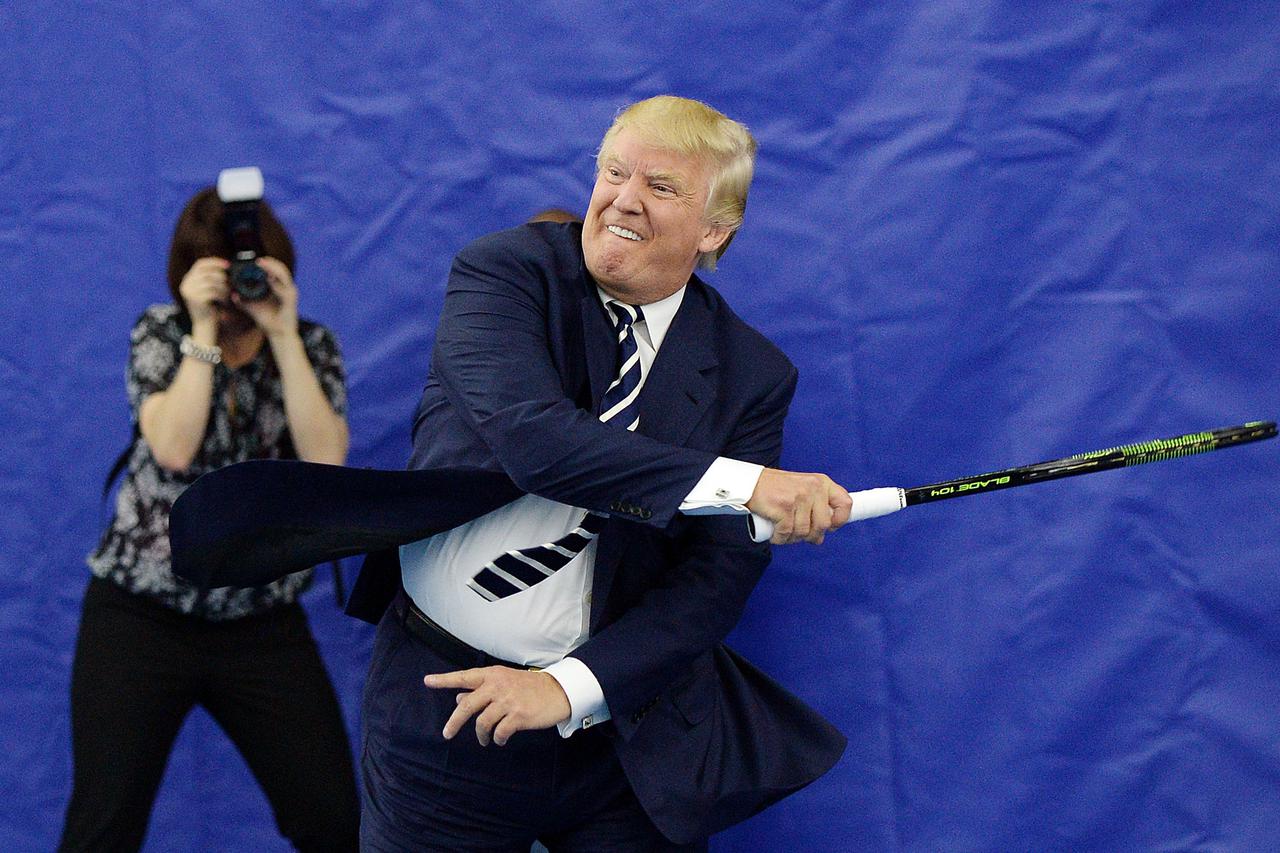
562	562
607	714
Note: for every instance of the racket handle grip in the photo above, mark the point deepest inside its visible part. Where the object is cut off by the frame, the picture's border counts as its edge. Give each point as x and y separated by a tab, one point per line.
868	503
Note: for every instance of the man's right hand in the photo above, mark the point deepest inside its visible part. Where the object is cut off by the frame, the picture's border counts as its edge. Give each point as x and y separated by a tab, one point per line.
802	507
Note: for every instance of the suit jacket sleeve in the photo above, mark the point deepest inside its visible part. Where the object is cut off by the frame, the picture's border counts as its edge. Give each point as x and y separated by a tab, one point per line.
494	361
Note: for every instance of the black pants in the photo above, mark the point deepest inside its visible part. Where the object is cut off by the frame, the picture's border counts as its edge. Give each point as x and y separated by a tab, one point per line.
139	669
424	793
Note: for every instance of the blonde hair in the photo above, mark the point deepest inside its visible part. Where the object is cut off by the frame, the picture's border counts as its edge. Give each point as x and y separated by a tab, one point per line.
694	129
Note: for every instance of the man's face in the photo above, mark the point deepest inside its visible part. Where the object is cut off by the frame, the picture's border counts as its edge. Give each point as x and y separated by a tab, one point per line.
644	227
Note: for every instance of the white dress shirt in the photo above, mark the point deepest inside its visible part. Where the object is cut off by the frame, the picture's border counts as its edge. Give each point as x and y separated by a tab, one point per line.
541	625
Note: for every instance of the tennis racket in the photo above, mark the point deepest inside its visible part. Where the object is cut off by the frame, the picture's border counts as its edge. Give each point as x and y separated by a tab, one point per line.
871	503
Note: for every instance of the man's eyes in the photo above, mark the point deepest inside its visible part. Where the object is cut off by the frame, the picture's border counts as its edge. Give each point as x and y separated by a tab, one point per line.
615	175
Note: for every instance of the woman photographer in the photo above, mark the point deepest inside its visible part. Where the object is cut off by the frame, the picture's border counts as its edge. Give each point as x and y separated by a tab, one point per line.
213	379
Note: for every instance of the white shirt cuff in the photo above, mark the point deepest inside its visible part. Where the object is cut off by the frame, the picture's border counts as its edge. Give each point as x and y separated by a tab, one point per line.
587	707
724	489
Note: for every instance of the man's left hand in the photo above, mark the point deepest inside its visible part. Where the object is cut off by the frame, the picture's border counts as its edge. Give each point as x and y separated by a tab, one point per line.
503	700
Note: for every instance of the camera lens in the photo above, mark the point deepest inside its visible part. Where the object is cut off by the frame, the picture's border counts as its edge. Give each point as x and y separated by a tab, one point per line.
249	280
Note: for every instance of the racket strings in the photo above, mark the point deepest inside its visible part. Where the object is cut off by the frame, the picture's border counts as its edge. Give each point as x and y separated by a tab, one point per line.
1185	445
1157	449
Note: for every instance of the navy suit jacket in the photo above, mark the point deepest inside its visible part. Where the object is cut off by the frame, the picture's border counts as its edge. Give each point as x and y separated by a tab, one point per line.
524	352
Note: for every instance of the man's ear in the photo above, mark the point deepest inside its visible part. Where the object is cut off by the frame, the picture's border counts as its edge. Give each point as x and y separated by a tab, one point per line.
714	238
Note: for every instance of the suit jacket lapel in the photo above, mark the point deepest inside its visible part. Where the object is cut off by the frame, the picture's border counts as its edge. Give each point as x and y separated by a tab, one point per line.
601	347
680	385
676	395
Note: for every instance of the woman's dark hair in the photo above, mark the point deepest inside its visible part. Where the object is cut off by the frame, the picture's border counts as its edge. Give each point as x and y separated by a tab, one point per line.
199	234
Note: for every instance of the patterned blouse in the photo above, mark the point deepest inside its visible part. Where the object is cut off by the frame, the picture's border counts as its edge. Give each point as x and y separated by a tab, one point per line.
246	421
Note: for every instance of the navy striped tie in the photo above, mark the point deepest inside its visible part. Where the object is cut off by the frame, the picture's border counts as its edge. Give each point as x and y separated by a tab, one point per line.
620	398
521	568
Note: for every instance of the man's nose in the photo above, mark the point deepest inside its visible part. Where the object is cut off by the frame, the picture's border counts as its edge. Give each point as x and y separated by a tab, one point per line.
628	197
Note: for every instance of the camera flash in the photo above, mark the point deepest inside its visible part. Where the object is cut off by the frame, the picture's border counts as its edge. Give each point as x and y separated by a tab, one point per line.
240	184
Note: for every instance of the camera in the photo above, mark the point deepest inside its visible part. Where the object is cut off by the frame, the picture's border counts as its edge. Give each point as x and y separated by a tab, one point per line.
240	191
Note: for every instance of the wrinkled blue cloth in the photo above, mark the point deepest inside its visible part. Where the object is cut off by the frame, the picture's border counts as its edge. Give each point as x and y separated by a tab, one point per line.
987	233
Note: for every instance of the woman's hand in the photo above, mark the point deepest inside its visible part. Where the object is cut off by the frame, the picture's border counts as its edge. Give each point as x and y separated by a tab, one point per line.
173	421
319	433
203	288
277	315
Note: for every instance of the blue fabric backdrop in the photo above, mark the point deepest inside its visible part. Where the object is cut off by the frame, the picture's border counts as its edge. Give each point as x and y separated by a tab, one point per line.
987	233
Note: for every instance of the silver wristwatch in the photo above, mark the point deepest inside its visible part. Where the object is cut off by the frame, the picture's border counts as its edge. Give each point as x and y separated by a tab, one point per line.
191	349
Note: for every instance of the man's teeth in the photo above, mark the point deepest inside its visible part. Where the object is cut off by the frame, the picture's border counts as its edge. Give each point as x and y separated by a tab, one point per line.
623	232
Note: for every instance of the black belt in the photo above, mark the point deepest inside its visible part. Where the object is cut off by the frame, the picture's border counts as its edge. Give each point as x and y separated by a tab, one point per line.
443	643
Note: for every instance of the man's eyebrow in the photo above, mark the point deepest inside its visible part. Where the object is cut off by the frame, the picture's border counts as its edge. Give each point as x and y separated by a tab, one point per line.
674	178
679	182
